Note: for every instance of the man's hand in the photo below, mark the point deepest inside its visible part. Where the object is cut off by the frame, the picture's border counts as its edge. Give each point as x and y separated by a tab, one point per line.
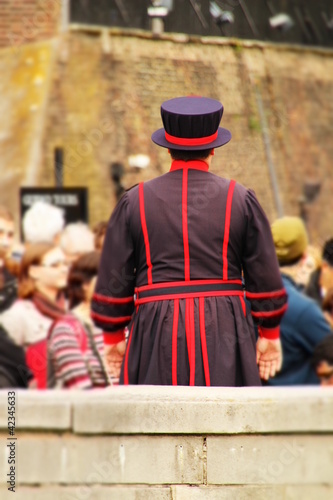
114	355
269	357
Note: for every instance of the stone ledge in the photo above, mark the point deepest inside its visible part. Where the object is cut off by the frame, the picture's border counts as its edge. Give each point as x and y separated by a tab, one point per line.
190	410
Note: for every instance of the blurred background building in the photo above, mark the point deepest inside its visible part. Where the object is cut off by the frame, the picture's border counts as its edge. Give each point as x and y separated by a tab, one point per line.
82	83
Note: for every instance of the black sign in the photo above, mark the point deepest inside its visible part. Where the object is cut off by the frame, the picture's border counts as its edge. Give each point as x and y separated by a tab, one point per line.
73	201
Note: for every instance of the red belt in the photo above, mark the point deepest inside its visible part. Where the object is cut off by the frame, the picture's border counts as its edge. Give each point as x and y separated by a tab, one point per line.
186	289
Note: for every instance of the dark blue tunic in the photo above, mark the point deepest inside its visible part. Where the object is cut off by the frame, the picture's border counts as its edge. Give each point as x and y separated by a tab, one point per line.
171	269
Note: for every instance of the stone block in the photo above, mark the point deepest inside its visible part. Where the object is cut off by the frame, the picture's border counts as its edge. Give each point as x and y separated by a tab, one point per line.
272	459
204	410
38	410
85	492
45	458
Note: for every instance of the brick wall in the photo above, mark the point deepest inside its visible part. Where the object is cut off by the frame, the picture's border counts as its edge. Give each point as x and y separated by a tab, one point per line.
164	443
26	21
102	90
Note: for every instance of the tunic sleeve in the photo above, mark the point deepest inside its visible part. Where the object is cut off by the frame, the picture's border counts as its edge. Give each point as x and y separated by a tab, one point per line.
263	282
113	300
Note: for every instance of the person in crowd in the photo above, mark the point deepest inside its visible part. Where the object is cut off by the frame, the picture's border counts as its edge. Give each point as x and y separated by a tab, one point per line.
99	232
8	282
14	371
321	280
322	360
179	243
75	240
75	345
308	265
328	307
303	326
43	274
43	222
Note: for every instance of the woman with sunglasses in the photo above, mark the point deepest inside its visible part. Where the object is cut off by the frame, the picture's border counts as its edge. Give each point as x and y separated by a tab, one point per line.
42	277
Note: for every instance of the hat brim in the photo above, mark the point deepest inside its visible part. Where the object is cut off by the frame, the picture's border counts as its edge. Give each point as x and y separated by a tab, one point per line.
223	137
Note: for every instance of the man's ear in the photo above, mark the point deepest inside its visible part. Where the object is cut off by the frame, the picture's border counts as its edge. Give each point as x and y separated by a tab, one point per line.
212	152
169	151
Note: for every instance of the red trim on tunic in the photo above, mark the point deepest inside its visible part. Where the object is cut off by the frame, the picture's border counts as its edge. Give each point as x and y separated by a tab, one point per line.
108	319
187	332
265	295
270	314
188	295
145	233
113	338
203	340
192	342
126	356
192	164
193	141
241	298
112	300
227	229
174	341
170	284
185	227
269	333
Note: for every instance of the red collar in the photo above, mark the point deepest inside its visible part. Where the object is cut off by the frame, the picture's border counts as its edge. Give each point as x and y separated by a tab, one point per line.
194	164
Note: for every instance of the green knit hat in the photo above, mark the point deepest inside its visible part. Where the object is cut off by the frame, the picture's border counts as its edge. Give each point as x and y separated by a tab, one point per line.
290	239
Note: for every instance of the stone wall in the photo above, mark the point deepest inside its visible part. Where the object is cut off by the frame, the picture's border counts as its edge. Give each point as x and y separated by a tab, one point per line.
27	21
167	443
97	93
106	96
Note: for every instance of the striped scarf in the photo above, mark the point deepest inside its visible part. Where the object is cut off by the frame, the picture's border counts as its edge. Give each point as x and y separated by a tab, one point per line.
46	307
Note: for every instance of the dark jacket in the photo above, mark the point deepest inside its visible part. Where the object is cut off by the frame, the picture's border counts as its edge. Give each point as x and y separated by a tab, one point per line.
179	243
302	327
13	368
8	290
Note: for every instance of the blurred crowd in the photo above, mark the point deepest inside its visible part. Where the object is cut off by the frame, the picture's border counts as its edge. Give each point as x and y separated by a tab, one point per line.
48	339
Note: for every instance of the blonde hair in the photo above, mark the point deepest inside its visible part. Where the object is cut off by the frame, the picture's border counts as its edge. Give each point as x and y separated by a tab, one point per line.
42	222
31	257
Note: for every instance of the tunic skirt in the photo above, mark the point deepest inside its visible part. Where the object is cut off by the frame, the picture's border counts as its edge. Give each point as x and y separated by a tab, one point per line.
188	263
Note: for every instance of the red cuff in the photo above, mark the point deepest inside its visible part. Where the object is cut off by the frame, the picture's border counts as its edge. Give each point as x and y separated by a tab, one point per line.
269	333
113	338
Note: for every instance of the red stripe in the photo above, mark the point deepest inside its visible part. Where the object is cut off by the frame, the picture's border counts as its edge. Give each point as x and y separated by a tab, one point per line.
187	332
265	295
188	295
186	283
192	164
203	340
270	314
145	233
113	338
126	356
112	300
269	333
241	298
174	341
185	228
192	342
194	141
227	229
107	319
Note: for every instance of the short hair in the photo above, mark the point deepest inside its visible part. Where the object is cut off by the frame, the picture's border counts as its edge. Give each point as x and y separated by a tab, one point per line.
42	222
6	214
177	154
328	252
82	272
77	237
323	352
32	256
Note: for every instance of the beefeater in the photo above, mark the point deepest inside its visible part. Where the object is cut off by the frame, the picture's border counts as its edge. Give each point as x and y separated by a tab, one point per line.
184	255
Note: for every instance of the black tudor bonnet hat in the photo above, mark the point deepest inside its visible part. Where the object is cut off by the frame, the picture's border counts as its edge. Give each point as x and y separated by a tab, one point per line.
191	123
